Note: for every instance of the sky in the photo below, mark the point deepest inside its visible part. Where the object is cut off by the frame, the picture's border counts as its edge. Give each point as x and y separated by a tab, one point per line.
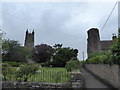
64	23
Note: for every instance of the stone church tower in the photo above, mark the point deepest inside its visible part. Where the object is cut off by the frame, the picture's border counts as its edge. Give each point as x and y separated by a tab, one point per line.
94	44
29	39
93	40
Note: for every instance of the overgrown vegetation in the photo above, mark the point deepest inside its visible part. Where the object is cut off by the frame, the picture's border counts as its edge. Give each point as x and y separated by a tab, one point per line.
100	57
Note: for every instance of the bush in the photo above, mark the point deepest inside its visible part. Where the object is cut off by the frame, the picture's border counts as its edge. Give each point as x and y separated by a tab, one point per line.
72	65
100	57
6	71
25	71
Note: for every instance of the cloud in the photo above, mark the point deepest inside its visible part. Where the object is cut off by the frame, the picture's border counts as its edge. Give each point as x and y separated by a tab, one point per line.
65	23
119	14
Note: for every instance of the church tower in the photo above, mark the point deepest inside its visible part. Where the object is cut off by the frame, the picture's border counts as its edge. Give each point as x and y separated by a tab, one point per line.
29	39
93	41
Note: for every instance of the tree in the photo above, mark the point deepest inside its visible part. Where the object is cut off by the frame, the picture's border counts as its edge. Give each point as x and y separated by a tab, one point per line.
23	54
42	53
8	49
63	55
12	51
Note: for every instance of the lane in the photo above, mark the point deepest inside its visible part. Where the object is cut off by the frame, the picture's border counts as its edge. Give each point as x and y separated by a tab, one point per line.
90	81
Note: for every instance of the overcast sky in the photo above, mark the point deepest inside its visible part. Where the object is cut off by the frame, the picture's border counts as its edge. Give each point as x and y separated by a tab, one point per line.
64	23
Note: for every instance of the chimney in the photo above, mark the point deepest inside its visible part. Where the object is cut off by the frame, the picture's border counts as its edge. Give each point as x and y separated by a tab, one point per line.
114	37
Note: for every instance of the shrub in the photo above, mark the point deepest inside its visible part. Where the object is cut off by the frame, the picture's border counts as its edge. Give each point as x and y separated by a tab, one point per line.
25	71
72	65
100	57
6	71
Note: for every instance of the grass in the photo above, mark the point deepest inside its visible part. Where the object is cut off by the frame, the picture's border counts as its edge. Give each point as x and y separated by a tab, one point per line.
52	69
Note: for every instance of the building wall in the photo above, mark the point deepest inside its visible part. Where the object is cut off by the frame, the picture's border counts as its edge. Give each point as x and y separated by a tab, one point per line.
106	72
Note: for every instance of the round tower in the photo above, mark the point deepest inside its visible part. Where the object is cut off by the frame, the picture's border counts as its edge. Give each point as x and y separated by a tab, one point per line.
93	43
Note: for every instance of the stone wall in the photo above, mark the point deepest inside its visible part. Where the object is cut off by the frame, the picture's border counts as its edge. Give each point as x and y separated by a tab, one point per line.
35	85
74	82
109	73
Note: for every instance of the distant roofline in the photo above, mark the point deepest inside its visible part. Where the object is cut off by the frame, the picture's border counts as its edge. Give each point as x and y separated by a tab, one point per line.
106	40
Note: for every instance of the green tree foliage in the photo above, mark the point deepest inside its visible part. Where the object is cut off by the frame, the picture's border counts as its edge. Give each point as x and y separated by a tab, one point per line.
24	54
9	48
12	51
63	55
42	53
73	65
25	71
116	50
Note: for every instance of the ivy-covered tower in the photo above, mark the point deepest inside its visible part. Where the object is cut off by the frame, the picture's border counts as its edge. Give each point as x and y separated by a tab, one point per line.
29	39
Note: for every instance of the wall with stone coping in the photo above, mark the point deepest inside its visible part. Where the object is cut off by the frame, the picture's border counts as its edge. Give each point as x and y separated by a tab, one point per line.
109	73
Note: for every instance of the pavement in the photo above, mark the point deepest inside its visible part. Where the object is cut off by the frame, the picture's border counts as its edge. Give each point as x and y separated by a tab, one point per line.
92	82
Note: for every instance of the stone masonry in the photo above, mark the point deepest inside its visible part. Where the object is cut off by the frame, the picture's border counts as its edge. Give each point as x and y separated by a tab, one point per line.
95	45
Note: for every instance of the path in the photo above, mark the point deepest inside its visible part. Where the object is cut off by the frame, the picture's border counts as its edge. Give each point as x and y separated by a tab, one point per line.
91	81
